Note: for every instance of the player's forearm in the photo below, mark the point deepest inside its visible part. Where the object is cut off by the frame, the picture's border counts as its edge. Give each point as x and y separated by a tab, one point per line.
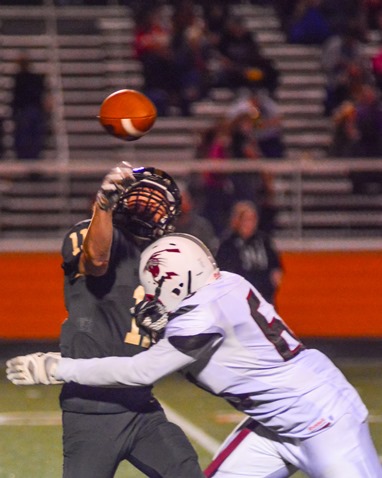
94	372
97	243
142	369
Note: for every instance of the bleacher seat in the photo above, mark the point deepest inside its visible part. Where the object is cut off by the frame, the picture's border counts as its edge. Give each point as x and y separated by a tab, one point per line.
90	55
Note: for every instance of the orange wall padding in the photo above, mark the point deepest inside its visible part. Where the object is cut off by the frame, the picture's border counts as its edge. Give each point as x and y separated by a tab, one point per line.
332	294
31	290
323	294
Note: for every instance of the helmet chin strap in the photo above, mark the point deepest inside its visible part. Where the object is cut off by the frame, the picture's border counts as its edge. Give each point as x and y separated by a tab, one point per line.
159	288
189	283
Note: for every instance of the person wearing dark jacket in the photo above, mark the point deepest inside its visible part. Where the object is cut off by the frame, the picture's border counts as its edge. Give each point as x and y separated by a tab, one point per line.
29	111
250	252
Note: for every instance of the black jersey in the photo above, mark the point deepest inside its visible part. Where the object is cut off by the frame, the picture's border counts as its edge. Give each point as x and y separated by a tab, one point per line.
99	323
254	259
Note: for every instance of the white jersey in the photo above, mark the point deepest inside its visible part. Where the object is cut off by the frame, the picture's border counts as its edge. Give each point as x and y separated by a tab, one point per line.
231	342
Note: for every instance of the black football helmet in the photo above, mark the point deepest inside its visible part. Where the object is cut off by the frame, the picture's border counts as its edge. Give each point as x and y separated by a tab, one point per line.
148	208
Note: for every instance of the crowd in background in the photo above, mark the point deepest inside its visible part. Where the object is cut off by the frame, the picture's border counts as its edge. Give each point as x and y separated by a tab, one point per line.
195	46
251	130
190	49
186	52
202	45
353	75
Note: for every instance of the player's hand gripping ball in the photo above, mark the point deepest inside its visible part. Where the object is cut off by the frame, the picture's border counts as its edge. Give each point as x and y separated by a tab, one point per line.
127	114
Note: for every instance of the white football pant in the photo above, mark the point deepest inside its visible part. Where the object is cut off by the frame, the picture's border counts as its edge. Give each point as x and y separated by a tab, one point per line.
344	450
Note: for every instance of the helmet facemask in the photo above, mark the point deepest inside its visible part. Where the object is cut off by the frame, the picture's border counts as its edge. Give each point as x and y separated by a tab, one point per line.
149	207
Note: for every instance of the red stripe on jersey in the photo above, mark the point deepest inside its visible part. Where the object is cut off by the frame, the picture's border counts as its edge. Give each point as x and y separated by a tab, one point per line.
213	467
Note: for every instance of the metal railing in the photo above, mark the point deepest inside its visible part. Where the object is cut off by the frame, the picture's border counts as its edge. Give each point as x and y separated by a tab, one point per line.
313	199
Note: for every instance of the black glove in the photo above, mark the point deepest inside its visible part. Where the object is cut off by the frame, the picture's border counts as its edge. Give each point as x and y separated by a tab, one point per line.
151	316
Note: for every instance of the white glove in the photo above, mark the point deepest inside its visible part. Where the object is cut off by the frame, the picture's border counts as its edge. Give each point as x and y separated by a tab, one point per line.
32	369
114	184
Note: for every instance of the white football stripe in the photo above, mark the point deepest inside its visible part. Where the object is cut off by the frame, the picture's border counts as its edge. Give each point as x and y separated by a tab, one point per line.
54	418
194	432
30	418
128	126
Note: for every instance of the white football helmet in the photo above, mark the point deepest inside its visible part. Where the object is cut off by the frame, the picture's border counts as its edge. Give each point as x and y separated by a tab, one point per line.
175	266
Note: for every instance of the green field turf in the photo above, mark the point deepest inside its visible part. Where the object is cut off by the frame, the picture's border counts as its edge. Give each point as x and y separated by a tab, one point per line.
30	431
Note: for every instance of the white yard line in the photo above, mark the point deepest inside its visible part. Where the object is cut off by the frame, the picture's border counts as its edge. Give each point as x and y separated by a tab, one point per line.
54	419
375	418
194	432
30	418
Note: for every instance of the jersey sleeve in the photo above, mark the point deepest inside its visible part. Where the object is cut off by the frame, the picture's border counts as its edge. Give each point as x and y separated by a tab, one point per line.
192	319
192	331
143	369
191	336
72	247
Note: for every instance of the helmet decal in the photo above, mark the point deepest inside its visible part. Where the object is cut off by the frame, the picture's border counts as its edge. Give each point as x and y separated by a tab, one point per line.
155	261
175	267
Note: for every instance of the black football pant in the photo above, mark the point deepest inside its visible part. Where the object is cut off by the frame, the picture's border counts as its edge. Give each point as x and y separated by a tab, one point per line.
94	445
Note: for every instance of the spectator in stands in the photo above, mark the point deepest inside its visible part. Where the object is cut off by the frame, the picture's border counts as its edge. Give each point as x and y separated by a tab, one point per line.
152	45
369	124
308	25
373	11
191	222
345	132
241	64
376	65
174	52
358	134
215	14
347	68
285	10
217	187
376	58
190	48
267	120
342	14
245	146
247	251
256	134
234	137
29	104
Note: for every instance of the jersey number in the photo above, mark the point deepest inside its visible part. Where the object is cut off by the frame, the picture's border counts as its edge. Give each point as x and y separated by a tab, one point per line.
77	239
285	342
134	336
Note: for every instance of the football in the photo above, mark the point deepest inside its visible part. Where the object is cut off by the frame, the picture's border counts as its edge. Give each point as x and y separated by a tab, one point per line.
127	114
